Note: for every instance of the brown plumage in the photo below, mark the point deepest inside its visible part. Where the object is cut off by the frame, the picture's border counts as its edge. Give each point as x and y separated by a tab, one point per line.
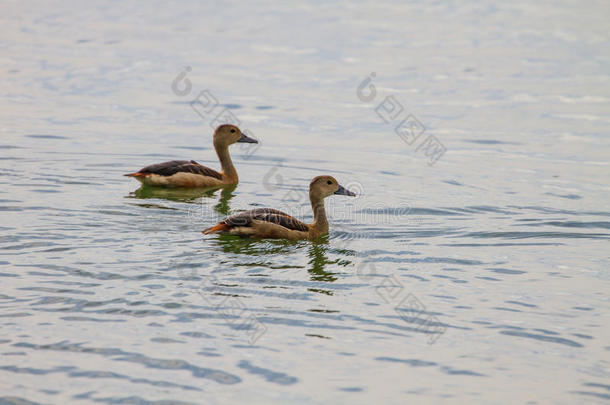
271	223
177	166
217	229
265	214
185	173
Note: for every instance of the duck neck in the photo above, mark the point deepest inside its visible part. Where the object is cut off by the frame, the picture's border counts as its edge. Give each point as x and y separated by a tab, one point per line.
228	170
320	223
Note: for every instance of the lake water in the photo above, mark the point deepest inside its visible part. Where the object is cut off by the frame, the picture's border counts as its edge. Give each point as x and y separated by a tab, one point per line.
472	267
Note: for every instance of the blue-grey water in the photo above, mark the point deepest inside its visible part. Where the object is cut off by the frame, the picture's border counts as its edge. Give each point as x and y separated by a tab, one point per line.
473	267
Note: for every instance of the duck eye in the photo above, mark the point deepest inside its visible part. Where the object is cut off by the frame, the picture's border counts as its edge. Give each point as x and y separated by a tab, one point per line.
329	182
232	131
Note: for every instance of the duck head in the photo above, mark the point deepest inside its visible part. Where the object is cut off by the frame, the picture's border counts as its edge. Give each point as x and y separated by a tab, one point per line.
325	186
228	134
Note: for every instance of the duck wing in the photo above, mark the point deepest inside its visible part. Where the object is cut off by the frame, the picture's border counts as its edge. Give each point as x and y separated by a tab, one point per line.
180	166
265	214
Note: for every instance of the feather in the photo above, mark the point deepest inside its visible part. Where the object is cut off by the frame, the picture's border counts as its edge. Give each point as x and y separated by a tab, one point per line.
177	166
216	229
265	214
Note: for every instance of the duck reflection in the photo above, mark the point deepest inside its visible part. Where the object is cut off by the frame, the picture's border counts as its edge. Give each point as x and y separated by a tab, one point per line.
187	195
318	259
318	264
226	193
256	247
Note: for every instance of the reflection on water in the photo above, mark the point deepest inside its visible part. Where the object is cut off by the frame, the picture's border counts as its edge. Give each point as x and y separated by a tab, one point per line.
253	246
480	278
188	195
318	259
226	194
173	194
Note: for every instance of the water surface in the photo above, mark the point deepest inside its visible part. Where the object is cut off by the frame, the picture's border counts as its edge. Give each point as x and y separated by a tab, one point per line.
477	277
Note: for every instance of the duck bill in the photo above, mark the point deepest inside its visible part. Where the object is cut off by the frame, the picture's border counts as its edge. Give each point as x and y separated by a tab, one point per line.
343	191
246	139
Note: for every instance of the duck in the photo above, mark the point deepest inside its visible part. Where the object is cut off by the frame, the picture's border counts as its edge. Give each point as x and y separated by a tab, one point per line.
269	223
185	173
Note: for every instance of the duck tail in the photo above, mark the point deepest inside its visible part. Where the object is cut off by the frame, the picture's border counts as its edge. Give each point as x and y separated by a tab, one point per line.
218	228
136	174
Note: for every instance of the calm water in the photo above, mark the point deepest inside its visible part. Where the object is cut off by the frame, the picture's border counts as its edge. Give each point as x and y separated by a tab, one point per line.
479	277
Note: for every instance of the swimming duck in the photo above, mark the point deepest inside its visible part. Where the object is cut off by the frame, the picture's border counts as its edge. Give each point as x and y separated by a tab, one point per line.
184	173
271	223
